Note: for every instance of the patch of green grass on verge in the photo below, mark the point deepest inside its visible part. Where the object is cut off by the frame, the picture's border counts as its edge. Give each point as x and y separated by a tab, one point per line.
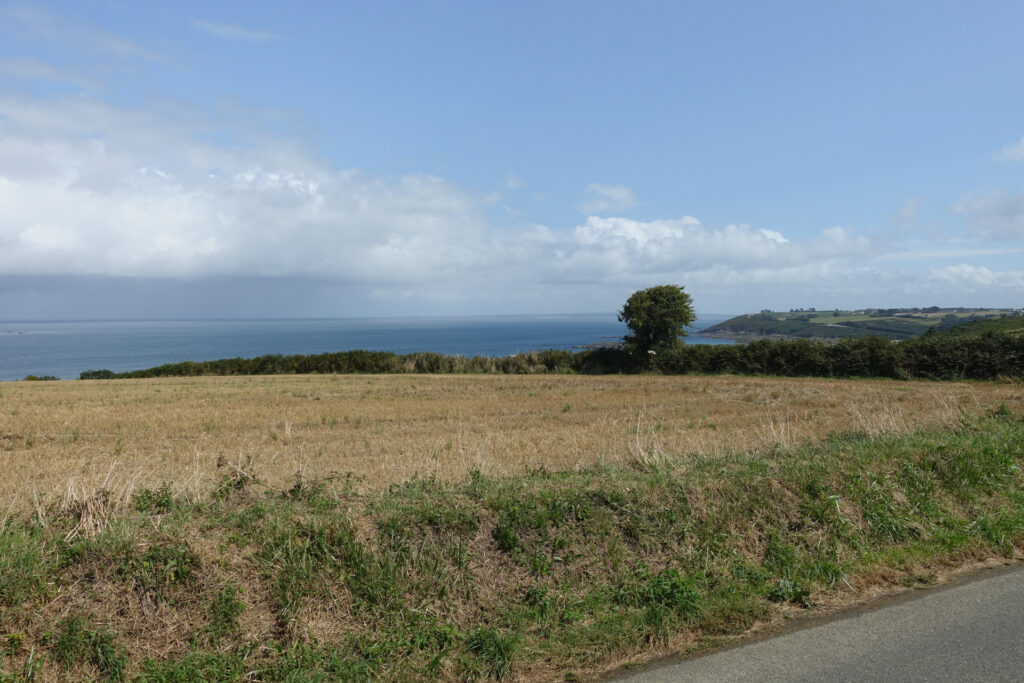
78	642
494	650
195	666
26	561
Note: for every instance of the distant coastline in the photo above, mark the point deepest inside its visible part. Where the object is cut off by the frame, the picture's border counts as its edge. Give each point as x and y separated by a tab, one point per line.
832	325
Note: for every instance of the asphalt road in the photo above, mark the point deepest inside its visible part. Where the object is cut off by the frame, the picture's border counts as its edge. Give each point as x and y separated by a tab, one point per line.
973	631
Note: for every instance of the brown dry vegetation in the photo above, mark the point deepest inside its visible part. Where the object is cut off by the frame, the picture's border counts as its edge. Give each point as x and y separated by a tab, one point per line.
73	438
562	533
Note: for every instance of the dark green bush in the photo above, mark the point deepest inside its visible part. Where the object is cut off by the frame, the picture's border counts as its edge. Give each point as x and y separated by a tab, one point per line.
97	374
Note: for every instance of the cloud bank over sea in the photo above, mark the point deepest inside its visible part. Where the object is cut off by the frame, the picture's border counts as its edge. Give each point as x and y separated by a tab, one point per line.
144	191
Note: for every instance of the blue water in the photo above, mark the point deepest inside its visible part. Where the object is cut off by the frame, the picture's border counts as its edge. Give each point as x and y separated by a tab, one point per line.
65	349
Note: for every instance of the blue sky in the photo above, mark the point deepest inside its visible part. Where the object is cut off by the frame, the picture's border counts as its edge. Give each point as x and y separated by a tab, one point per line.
239	159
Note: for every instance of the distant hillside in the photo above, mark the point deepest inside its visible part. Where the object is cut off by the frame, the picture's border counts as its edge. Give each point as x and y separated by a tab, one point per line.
1010	325
892	323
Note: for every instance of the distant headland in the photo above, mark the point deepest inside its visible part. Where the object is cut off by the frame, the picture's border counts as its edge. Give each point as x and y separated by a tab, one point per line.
892	323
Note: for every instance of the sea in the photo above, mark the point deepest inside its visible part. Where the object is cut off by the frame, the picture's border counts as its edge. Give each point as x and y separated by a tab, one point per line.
65	349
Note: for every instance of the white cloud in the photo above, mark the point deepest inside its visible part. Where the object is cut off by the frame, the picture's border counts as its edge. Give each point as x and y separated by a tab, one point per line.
606	198
29	69
977	277
622	249
811	277
994	215
514	182
88	189
908	212
235	32
773	235
38	23
843	242
1014	152
927	252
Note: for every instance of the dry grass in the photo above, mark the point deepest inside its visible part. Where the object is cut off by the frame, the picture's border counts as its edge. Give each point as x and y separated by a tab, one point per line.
68	440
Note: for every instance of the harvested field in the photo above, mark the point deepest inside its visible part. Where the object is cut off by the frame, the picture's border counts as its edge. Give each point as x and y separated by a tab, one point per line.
60	438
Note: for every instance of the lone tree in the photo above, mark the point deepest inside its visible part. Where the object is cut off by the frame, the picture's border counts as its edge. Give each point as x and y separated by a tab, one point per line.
656	317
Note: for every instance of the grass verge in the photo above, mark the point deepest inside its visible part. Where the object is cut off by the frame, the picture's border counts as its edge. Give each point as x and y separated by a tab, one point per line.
547	575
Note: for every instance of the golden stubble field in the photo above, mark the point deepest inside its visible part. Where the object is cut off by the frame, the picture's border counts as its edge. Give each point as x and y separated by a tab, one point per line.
74	438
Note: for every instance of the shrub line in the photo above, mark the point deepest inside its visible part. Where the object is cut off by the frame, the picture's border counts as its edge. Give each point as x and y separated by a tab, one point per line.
933	357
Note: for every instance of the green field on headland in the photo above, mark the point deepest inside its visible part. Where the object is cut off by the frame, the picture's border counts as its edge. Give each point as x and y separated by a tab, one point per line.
892	323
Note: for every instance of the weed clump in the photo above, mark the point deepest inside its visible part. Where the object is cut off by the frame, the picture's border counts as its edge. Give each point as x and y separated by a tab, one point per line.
78	642
668	589
224	609
161	566
155	501
494	650
25	564
506	538
788	590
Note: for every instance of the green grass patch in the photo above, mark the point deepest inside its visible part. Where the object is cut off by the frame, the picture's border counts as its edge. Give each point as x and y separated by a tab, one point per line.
26	561
77	641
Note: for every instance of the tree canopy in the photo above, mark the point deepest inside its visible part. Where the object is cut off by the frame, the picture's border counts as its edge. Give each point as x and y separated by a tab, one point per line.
657	317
